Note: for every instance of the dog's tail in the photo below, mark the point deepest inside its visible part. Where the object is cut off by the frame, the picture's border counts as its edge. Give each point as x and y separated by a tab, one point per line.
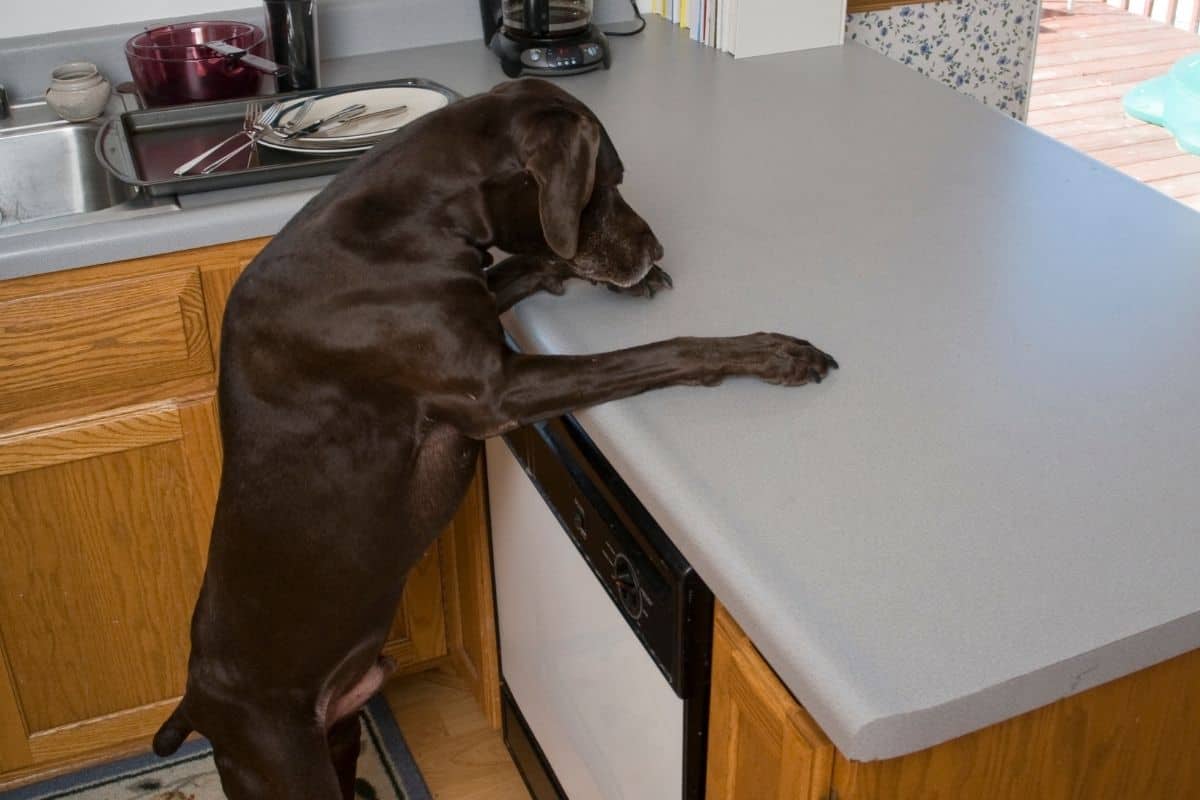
172	733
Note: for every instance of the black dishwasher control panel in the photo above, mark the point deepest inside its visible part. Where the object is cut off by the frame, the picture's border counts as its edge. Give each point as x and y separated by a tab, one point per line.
661	597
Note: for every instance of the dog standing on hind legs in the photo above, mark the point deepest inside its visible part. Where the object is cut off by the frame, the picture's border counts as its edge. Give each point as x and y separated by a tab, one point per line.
362	366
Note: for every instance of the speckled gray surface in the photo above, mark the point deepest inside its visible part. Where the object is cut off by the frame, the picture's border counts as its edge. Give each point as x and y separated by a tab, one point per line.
992	503
982	48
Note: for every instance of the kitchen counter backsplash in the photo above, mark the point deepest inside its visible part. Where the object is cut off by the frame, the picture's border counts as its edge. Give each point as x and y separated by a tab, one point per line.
983	48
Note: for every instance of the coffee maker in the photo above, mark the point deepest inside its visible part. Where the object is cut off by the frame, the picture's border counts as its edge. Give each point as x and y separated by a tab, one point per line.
544	37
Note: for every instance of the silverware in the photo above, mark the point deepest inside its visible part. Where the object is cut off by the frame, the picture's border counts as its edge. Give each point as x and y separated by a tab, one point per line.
252	111
387	112
261	125
348	112
302	112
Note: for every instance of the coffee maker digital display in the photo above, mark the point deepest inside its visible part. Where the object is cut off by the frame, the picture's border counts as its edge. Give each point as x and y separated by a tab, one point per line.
544	37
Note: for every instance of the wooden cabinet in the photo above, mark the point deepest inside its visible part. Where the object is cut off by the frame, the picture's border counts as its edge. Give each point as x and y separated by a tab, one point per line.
762	744
109	465
104	532
1138	736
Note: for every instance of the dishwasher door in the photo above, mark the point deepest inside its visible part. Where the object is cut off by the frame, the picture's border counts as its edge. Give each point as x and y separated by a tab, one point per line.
602	713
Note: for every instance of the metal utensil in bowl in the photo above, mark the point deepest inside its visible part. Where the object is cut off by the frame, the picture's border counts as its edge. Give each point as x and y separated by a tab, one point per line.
244	56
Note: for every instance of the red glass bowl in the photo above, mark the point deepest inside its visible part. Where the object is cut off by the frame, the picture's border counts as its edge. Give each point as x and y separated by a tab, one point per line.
171	65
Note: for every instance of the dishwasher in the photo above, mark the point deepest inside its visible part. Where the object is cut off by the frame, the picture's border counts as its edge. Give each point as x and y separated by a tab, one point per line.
605	630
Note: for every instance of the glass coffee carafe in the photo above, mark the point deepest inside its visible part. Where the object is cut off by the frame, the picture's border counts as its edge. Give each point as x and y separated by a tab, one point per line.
546	17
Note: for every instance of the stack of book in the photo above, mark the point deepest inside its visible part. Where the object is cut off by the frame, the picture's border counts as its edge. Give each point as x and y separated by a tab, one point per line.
707	21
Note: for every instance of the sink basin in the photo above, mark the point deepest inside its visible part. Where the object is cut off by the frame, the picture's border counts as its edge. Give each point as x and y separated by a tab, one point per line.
48	168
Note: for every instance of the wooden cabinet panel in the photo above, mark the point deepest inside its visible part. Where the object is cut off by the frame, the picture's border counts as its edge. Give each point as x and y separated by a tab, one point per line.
100	562
77	342
762	744
466	554
46	324
419	631
218	281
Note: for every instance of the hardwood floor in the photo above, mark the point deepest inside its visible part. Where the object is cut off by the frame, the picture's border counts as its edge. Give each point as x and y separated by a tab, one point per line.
460	755
1085	62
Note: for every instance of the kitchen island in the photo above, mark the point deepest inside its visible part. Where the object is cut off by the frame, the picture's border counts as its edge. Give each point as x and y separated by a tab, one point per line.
988	507
991	505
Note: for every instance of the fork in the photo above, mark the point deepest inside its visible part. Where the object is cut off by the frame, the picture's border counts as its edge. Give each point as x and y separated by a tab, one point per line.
252	111
260	126
302	112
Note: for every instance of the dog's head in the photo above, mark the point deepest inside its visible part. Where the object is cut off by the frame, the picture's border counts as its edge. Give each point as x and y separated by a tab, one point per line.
563	197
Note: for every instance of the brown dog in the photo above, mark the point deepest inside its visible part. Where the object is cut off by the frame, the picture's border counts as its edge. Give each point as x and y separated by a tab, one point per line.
362	364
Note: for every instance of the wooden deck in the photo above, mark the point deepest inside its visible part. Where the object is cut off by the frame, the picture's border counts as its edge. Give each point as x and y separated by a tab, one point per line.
1086	60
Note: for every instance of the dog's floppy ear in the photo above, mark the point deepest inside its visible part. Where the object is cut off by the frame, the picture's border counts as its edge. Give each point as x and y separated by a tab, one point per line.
560	153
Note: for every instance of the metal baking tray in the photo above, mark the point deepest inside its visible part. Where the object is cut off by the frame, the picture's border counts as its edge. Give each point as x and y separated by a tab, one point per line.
142	148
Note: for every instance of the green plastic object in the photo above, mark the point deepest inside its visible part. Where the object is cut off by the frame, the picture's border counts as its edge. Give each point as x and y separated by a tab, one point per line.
1172	101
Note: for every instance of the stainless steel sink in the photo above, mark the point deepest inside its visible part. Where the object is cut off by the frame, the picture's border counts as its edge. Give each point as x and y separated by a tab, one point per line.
53	171
49	170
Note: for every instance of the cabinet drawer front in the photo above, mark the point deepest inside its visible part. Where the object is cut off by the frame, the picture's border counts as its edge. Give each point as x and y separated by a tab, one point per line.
125	334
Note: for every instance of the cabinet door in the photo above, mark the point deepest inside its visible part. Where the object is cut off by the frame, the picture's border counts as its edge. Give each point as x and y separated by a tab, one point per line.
762	744
104	526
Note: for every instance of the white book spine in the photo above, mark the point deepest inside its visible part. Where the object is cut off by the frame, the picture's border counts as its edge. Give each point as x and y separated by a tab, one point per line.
762	27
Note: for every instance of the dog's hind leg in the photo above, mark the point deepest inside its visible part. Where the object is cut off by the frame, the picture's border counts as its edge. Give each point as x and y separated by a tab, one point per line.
276	763
345	742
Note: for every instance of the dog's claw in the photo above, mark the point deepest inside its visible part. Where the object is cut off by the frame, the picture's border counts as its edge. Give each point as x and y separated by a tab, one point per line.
654	281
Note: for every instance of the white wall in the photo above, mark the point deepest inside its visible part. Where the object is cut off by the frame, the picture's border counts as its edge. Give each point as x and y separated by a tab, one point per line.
44	16
49	16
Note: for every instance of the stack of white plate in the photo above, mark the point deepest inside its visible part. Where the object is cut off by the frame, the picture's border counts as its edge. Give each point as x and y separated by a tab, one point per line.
352	136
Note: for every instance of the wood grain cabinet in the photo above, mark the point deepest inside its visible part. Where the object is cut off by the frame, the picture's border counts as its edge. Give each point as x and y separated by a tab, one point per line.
109	464
762	744
1138	736
104	535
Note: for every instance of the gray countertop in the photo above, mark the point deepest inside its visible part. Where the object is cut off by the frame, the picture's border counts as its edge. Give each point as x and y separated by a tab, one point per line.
992	504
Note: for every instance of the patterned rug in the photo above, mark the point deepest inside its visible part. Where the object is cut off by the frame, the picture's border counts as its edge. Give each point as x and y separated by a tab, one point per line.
386	771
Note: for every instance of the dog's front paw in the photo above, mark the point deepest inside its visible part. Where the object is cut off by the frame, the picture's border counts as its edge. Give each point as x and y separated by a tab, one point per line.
655	281
788	361
553	278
